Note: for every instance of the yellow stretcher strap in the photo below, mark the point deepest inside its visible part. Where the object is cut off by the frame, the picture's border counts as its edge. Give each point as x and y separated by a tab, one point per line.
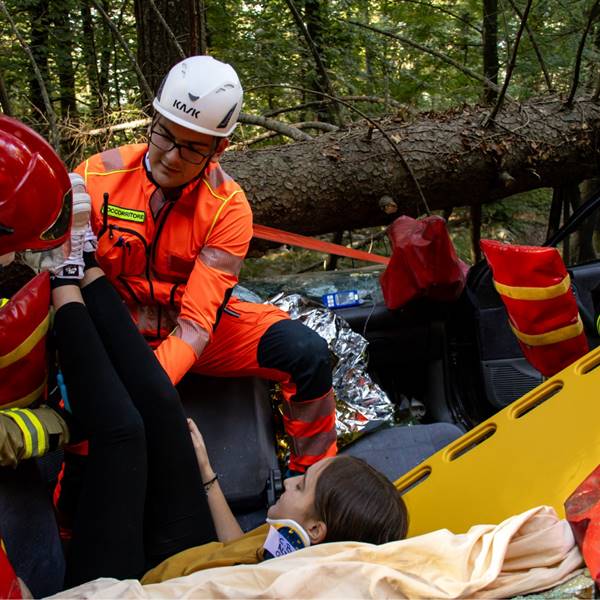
534	293
551	337
34	433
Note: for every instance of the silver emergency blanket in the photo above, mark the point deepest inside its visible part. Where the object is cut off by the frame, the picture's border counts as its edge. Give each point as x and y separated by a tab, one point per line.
361	405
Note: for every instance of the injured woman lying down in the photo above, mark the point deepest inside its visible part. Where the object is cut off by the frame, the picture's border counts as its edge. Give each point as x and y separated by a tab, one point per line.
151	503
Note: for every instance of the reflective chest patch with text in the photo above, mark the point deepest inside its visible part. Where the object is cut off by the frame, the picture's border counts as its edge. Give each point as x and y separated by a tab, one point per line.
125	214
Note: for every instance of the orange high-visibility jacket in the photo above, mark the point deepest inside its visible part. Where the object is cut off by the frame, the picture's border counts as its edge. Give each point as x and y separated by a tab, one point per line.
175	270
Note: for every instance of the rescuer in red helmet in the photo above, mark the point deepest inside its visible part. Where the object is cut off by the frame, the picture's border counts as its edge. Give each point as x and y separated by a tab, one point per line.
35	191
35	214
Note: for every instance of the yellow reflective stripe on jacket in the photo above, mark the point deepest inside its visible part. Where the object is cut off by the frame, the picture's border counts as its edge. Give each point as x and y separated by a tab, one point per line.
27	345
552	337
34	433
224	201
534	293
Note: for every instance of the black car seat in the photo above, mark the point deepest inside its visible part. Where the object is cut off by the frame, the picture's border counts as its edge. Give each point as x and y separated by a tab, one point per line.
236	420
397	450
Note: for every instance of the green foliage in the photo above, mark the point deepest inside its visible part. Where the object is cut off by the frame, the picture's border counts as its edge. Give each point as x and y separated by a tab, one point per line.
263	42
93	84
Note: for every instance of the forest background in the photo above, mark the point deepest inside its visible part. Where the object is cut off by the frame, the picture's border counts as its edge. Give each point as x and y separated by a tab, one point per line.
355	111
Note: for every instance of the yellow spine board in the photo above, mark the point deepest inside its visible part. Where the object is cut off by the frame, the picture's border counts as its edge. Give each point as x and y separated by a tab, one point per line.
535	451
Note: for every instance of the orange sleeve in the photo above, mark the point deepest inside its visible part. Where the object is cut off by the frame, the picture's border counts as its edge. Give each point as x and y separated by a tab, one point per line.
215	273
176	358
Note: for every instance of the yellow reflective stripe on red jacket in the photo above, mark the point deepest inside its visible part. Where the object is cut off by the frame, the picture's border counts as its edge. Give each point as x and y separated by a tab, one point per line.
534	293
24	348
551	337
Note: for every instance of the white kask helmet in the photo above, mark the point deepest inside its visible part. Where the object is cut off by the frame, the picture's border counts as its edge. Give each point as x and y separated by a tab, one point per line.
202	94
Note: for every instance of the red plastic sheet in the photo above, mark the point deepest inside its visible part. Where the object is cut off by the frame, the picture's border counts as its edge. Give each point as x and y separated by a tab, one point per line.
583	513
535	288
424	263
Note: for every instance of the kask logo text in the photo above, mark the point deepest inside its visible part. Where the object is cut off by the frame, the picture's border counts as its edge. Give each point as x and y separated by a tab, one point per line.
182	106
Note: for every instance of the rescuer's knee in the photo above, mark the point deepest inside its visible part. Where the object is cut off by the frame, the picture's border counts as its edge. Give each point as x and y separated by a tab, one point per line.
293	348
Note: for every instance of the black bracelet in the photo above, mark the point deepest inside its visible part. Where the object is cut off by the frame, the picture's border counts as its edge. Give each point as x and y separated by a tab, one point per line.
210	483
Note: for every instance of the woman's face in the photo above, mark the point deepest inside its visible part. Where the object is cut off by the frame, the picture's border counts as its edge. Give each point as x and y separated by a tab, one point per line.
298	500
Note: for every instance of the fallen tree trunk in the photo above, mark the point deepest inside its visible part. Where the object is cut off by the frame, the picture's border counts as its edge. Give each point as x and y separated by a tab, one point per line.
337	180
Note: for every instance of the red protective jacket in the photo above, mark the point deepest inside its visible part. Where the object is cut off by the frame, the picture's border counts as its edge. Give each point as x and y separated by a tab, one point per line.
24	322
174	262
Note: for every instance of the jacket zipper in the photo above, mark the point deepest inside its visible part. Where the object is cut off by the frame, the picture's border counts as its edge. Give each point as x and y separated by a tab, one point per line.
152	249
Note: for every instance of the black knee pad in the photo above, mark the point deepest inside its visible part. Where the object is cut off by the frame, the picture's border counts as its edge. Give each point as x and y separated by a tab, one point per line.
292	347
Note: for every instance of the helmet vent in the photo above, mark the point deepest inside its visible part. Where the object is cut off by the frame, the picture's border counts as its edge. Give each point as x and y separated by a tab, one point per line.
192	97
223	124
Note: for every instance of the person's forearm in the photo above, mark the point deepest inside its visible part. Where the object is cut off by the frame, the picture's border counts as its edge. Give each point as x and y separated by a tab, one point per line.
225	523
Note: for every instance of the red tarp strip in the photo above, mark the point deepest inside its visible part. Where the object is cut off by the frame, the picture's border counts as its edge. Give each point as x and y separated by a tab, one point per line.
262	232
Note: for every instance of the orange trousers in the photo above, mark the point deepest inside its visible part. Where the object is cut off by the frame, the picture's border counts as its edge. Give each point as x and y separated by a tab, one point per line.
261	340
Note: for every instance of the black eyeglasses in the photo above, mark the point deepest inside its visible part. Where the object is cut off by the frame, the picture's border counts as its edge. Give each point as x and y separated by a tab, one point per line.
188	153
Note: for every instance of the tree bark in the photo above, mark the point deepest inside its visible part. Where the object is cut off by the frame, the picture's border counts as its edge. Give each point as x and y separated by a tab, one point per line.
5	104
336	181
156	51
39	19
490	46
64	59
90	57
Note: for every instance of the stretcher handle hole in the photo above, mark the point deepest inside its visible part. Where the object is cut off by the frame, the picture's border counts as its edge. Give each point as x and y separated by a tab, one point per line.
534	399
469	441
413	479
587	366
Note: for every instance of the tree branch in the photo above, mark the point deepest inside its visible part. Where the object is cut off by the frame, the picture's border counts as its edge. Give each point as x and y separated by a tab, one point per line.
450	13
317	57
431	51
591	17
536	48
313	103
124	45
167	29
277	126
273	125
271	134
54	133
510	68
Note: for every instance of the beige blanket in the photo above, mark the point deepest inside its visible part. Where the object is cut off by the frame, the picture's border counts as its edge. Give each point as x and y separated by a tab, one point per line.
528	552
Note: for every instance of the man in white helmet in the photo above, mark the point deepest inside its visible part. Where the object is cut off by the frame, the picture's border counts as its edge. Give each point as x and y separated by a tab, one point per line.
173	229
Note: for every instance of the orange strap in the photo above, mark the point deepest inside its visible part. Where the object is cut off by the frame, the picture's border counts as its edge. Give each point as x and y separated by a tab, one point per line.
262	232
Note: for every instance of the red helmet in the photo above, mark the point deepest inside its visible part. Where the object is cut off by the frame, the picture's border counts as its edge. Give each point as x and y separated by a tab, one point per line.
35	191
